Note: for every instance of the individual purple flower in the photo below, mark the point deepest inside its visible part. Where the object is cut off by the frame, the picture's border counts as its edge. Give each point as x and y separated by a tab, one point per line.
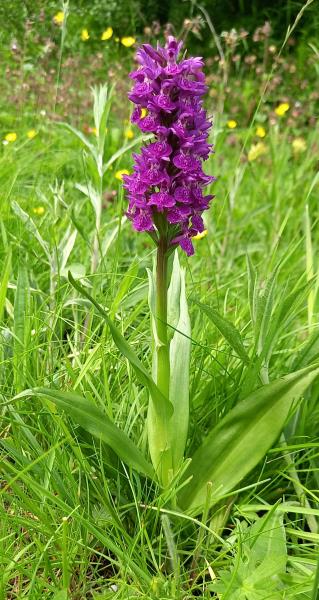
166	189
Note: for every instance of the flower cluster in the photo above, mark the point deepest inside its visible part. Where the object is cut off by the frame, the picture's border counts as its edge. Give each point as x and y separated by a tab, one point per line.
166	188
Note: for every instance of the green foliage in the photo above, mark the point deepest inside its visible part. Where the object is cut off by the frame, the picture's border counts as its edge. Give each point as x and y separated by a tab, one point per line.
242	438
100	425
81	512
259	563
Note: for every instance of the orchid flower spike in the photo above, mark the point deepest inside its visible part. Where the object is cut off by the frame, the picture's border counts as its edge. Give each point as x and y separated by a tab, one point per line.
166	189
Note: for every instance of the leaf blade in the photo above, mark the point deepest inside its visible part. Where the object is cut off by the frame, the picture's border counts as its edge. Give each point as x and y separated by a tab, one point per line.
96	422
236	445
141	373
227	329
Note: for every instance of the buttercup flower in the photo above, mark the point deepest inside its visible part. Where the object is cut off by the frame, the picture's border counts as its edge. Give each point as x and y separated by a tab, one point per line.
260	131
201	235
231	124
282	109
10	137
58	18
119	174
166	190
129	133
256	151
107	34
299	145
38	210
31	134
85	35
128	41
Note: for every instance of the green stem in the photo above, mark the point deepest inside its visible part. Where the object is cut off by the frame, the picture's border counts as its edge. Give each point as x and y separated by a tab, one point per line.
158	414
163	366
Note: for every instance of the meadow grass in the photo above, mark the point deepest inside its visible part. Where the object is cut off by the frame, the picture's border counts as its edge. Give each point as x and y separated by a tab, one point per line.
76	523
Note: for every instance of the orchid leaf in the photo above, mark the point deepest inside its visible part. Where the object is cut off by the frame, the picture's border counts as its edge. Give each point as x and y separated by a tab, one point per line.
241	439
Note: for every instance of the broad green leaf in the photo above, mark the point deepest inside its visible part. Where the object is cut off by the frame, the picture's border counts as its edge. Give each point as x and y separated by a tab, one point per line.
236	445
180	350
141	373
158	433
228	331
268	550
180	345
4	282
260	561
31	228
96	422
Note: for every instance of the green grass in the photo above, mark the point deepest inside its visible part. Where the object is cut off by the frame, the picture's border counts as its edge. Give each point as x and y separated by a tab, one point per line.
75	522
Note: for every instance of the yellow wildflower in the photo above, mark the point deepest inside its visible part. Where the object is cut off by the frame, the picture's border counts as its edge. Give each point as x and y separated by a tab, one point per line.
200	236
256	151
144	112
93	130
11	137
85	35
231	124
299	145
58	18
119	174
129	133
31	134
38	210
282	109
128	41
260	131
107	34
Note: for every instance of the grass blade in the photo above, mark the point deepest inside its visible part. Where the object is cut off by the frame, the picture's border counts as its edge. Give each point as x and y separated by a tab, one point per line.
228	331
4	282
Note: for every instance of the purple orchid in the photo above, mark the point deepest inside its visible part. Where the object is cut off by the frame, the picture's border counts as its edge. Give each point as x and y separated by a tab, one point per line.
165	190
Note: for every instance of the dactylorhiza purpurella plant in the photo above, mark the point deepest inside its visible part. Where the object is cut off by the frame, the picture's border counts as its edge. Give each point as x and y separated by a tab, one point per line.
167	199
168	202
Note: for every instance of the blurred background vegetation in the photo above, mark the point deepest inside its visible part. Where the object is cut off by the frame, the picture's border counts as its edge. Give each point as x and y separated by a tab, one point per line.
135	15
42	52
